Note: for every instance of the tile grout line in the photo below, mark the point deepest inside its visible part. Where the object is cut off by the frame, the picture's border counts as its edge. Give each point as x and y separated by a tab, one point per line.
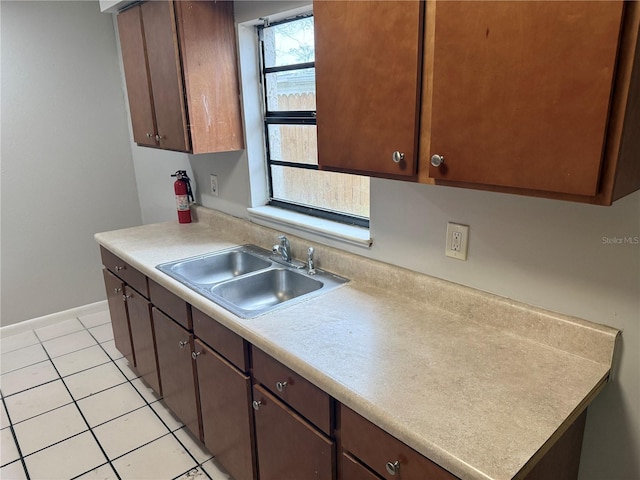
15	439
79	409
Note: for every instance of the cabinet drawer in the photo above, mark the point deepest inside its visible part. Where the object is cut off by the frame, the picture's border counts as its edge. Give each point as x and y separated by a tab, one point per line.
125	271
171	304
299	393
352	469
375	447
227	343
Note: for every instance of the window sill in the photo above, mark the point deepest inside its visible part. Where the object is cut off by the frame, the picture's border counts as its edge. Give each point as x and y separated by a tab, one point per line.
297	222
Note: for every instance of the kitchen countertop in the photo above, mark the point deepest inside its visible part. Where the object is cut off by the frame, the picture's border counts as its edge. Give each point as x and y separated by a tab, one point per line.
479	384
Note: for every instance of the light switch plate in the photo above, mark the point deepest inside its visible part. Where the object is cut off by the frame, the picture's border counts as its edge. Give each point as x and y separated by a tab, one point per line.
457	241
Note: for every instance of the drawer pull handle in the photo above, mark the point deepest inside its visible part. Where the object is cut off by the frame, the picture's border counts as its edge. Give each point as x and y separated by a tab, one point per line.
256	404
117	290
195	355
118	268
124	297
183	343
393	468
437	160
280	386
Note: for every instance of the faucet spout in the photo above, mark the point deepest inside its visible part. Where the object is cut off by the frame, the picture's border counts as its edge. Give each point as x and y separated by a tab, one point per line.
284	248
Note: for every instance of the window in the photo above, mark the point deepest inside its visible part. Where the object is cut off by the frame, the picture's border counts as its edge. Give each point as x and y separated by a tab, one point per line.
288	81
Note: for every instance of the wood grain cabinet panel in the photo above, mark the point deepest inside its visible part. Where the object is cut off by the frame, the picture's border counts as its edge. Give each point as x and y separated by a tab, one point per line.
180	64
532	98
230	345
227	421
177	374
143	337
368	81
126	272
119	318
352	469
288	447
171	304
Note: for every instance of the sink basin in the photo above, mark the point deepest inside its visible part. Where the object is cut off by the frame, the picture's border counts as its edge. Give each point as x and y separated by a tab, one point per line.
216	268
249	280
266	289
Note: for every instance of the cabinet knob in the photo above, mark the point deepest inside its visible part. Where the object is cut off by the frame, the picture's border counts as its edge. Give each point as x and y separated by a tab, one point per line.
195	355
437	160
280	386
256	404
393	468
117	290
118	268
183	343
149	135
397	156
124	297
160	137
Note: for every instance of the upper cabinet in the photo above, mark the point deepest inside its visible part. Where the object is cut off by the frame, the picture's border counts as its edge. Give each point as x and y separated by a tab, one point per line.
519	96
180	64
368	69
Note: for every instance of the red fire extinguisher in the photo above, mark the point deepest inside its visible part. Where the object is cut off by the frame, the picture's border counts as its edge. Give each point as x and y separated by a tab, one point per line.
184	196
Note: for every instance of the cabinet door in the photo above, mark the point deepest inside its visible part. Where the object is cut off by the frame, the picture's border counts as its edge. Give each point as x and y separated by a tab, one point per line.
227	422
119	320
143	338
351	469
165	73
177	375
136	73
521	92
368	70
288	447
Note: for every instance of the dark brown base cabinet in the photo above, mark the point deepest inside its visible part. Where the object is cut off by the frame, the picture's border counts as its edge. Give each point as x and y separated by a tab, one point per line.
288	447
260	419
227	423
175	363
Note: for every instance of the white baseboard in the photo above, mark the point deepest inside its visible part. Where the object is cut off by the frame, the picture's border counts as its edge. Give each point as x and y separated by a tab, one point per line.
46	320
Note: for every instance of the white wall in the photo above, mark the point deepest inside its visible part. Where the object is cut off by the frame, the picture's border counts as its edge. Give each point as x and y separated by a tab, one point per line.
542	252
66	160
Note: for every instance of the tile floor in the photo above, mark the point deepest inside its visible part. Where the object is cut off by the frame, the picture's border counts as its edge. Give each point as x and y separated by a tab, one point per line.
72	408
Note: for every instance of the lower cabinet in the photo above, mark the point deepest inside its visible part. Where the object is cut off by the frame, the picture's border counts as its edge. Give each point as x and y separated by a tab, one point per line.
225	403
352	469
119	319
289	447
177	375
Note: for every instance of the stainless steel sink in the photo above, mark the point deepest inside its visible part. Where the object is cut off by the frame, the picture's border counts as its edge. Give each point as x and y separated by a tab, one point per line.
248	280
215	268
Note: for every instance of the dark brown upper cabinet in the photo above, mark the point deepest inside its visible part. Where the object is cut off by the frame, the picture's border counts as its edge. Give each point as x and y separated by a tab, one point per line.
180	64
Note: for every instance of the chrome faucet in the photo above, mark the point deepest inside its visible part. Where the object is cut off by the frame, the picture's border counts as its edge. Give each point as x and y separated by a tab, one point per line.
284	248
311	270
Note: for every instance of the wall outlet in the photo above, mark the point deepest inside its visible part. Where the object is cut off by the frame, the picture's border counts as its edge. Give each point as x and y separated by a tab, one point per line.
214	185
457	241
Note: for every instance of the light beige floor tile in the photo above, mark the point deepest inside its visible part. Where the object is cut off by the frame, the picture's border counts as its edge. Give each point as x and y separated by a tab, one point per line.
102	333
80	360
22	358
59	329
4	420
197	449
147	392
112	351
95	319
112	403
215	470
68	343
13	471
163	458
94	380
123	365
27	377
9	343
129	432
66	459
167	416
105	472
49	428
8	450
30	403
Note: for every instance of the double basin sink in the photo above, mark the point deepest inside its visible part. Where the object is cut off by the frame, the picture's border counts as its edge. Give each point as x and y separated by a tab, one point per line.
248	280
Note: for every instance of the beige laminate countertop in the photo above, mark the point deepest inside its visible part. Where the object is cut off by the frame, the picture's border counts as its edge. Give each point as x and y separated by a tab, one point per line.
478	384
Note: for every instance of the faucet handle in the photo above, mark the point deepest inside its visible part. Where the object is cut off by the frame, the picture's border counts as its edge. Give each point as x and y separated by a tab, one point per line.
310	265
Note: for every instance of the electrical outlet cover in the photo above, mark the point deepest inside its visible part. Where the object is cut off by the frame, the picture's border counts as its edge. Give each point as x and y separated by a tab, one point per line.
214	185
457	241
